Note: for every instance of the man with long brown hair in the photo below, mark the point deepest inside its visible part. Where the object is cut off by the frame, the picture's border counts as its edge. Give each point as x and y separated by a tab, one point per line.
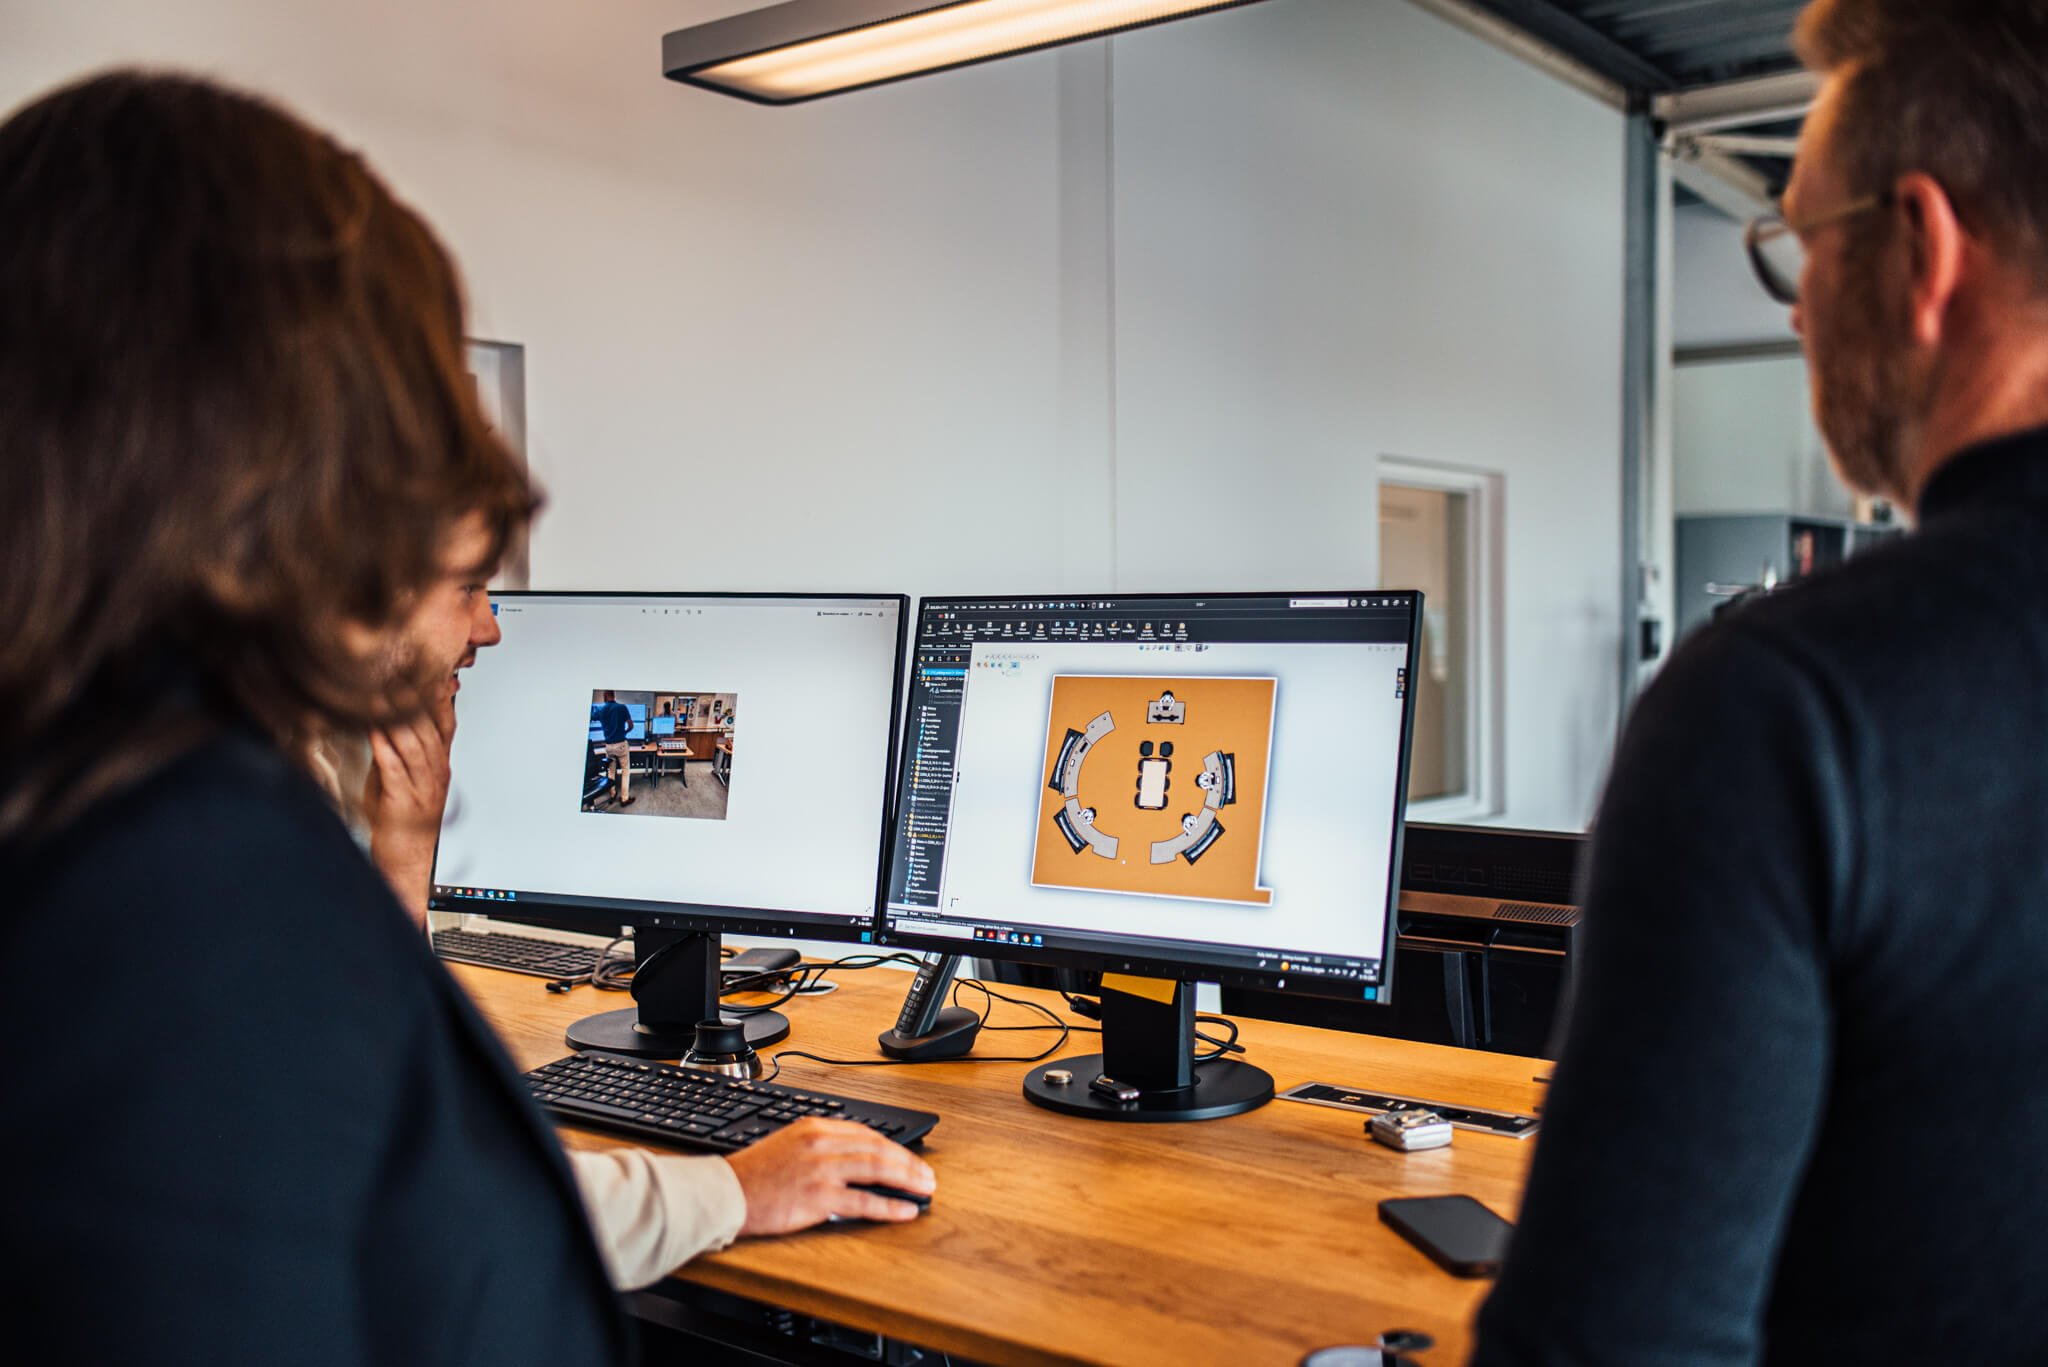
1797	1116
248	503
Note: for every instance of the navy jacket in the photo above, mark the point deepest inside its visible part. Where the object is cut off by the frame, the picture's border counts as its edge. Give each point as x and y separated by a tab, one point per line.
1798	1116
249	1119
616	719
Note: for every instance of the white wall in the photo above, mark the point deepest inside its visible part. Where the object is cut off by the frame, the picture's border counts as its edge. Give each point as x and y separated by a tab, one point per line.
849	310
1146	311
1347	231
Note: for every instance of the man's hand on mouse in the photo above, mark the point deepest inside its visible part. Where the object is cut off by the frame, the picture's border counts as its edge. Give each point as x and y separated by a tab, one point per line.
802	1175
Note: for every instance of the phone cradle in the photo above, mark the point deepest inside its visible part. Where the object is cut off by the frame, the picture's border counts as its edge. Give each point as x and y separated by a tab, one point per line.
951	1035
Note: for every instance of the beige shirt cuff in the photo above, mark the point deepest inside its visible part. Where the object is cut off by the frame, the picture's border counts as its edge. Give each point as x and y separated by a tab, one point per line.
653	1212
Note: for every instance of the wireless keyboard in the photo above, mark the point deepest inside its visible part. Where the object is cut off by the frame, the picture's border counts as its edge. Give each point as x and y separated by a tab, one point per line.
693	1109
518	953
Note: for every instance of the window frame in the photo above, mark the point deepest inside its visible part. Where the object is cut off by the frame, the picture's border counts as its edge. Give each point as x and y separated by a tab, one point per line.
1485	645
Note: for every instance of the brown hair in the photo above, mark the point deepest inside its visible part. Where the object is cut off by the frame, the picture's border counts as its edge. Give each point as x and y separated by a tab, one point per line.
235	419
1957	89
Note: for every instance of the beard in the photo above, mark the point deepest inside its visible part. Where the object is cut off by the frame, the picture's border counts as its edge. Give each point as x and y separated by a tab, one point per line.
1865	394
415	678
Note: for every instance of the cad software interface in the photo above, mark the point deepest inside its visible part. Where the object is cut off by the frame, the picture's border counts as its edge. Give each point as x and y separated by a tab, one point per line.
1203	780
658	752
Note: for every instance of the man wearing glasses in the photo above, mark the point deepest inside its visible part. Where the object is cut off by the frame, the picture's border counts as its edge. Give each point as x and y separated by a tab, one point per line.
1798	1114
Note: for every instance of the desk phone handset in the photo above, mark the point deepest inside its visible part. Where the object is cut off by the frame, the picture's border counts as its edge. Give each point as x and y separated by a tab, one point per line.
926	1028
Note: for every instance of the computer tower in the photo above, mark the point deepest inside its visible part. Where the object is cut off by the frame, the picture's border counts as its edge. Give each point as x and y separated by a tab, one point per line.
1488	935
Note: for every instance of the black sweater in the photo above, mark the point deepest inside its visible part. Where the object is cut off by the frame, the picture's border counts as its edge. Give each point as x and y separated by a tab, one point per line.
247	1117
1798	1116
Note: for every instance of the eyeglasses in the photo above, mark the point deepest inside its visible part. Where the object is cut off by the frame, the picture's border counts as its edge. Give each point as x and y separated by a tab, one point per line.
1777	253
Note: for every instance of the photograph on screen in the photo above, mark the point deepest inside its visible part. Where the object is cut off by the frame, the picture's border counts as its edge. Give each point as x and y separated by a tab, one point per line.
659	752
1155	786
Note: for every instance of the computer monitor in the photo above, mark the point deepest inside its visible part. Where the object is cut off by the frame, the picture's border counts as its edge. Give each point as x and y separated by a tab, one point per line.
664	726
636	728
1168	789
783	835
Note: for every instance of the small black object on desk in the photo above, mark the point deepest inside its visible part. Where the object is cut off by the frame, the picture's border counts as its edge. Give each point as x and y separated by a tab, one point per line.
926	1028
721	1047
921	1200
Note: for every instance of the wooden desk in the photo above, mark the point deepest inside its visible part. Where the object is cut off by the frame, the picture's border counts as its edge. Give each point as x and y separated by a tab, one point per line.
1252	1239
702	739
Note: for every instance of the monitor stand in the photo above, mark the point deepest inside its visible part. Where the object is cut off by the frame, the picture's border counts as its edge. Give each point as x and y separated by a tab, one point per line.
1150	1045
676	985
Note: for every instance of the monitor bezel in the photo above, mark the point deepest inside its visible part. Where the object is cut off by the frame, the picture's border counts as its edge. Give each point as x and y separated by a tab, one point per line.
610	917
1151	963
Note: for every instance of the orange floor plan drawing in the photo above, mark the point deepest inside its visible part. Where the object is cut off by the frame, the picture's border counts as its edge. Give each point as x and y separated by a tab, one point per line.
1156	786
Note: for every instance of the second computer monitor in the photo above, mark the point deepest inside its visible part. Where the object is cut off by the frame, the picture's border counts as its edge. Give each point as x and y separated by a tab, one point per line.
1197	787
766	819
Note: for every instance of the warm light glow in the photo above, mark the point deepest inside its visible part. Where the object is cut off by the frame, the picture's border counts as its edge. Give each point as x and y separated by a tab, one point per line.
938	38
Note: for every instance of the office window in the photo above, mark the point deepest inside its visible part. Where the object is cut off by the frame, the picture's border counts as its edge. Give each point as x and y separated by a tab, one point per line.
1440	533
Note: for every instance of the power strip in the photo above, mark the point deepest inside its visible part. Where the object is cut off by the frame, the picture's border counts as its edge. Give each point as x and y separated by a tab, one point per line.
1505	1123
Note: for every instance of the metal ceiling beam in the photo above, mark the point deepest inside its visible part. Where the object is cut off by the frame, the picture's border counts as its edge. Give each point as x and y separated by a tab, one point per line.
1734	104
1617	12
1555	27
1735	58
1641	191
1734	187
1741	145
1724	24
1482	22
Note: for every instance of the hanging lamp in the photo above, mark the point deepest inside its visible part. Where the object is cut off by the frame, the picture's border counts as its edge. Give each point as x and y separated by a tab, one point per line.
803	49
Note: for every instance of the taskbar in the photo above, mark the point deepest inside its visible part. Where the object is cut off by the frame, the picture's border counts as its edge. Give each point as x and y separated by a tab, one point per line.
1321	974
509	902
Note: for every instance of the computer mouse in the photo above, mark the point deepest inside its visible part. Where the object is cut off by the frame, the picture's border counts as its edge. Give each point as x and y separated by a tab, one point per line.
918	1199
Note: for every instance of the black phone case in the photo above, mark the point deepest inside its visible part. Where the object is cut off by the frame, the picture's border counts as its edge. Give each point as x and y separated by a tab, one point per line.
1459	1234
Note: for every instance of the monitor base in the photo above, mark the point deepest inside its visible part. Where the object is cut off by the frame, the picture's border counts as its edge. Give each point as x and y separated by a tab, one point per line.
620	1032
1222	1088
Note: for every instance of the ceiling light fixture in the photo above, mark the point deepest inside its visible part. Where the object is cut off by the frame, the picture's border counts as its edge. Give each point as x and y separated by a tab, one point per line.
806	48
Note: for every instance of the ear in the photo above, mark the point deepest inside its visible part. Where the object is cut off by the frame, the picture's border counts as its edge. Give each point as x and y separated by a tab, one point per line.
1938	243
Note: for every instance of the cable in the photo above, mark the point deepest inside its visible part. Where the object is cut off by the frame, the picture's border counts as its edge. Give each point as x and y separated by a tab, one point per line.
800	977
608	973
991	997
1222	1046
1082	1006
614	972
1092	1009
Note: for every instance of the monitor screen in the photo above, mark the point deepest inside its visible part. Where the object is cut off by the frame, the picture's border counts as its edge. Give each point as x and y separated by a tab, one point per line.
634	719
775	827
664	726
1207	787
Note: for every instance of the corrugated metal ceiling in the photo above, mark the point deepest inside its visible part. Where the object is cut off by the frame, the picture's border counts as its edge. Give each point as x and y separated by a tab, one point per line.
1661	45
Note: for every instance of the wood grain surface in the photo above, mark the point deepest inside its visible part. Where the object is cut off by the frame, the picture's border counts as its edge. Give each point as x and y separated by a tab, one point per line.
1056	1239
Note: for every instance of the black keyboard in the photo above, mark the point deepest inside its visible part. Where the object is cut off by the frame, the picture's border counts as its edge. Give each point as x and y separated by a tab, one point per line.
692	1109
519	953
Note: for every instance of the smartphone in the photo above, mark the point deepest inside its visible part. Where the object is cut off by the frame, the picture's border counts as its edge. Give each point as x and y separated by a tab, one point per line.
1463	1237
758	961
